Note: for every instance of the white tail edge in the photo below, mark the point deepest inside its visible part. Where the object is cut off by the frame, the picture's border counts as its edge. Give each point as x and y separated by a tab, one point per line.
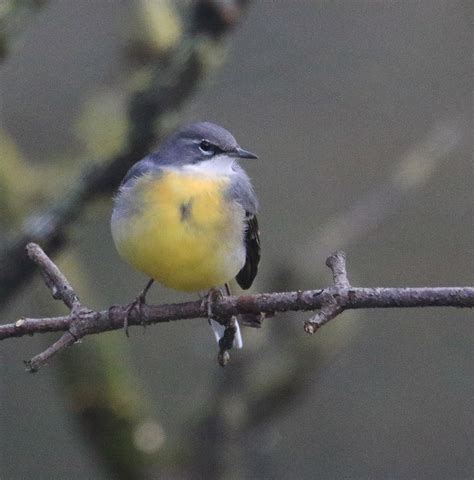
219	330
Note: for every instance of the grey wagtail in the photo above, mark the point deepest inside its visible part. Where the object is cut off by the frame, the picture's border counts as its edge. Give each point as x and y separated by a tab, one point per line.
185	215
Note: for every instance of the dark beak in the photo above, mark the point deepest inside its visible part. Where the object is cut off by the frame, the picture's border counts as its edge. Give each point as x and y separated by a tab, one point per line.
241	153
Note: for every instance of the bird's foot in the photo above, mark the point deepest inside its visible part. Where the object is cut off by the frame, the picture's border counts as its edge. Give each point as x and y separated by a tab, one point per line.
137	304
209	299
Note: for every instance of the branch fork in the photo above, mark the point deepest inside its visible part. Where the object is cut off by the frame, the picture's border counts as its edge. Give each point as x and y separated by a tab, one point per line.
61	289
334	304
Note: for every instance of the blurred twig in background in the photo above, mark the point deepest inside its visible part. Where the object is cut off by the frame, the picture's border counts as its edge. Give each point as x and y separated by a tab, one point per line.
411	172
14	14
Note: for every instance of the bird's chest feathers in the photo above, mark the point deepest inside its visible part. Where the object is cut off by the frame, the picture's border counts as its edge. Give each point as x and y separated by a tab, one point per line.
189	205
183	230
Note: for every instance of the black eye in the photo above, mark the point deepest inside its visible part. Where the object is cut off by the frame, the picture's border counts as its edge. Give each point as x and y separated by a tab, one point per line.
206	147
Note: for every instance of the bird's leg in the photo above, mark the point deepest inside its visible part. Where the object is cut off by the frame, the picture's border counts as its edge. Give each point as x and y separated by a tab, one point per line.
138	302
208	299
227	289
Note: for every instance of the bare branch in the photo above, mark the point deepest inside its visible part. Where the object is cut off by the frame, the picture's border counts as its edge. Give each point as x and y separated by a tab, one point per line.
330	301
334	306
337	263
41	359
53	277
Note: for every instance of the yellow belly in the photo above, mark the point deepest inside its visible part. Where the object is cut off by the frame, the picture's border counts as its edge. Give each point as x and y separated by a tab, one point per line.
180	230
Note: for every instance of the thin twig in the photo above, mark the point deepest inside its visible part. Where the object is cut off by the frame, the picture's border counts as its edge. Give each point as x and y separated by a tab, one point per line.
334	304
330	301
42	358
53	277
337	263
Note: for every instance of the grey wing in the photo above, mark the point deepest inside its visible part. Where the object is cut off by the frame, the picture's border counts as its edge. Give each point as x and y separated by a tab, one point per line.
147	165
242	192
125	203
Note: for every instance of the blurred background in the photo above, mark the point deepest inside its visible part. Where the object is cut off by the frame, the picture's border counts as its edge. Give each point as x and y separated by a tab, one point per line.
361	114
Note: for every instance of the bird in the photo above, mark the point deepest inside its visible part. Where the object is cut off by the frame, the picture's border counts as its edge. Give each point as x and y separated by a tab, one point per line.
186	216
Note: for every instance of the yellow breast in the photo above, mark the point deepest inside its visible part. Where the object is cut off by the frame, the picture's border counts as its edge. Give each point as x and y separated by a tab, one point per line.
180	229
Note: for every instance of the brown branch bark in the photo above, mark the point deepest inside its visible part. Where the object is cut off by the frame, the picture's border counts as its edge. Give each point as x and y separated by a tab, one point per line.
330	302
